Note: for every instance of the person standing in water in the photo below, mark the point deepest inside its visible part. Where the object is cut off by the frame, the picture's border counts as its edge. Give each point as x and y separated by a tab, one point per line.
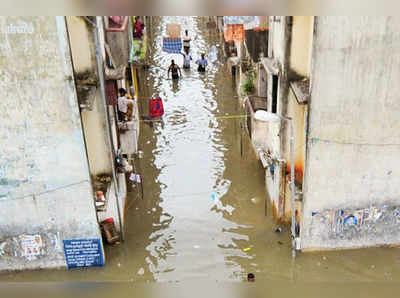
202	63
186	58
186	41
174	69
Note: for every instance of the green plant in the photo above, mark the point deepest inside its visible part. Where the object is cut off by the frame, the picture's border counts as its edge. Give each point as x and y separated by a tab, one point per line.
248	86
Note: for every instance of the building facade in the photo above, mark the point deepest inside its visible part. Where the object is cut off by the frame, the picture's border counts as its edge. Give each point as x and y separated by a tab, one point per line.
62	138
46	191
335	78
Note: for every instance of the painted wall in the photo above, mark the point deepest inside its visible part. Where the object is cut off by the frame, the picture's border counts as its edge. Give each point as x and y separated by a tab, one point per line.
83	49
353	143
301	44
45	189
297	112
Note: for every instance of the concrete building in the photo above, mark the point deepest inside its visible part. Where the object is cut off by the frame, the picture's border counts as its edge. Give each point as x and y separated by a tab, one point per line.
335	77
46	192
62	136
98	97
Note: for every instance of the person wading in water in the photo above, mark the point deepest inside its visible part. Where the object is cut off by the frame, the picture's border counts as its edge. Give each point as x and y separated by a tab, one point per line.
186	41
186	59
174	69
202	63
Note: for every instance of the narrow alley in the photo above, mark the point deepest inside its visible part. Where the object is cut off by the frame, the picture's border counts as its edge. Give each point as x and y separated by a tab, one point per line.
205	212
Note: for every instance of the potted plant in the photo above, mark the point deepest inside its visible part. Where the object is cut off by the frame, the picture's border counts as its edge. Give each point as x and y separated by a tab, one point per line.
248	86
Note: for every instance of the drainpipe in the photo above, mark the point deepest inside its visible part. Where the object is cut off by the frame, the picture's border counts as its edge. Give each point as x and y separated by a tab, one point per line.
292	186
100	69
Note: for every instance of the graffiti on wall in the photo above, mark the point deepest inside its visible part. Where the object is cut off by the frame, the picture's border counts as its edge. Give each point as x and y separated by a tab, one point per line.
30	247
344	222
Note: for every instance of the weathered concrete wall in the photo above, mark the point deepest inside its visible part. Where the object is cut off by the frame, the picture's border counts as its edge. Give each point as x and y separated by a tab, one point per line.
83	49
262	79
297	112
83	52
45	189
352	175
95	129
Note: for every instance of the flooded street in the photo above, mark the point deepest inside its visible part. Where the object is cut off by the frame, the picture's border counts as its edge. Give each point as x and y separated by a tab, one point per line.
205	212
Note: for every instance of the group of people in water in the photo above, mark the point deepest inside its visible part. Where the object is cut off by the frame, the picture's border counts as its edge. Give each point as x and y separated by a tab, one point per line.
175	70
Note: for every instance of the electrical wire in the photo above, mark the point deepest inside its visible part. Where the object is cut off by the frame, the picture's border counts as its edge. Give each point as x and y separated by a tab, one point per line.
316	140
45	192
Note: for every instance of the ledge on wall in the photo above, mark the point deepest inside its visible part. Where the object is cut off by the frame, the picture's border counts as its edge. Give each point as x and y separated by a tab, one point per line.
86	95
301	90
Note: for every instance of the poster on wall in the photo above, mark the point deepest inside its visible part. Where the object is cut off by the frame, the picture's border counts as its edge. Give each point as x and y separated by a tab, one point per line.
83	253
32	246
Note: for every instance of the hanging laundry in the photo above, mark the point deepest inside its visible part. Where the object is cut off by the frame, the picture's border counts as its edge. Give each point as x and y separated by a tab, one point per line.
234	32
236	20
172	45
174	30
156	107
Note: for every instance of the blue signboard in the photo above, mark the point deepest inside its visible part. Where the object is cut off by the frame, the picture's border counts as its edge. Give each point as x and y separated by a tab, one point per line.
83	253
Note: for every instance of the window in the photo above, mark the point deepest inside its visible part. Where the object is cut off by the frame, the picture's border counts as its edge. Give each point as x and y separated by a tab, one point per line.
274	93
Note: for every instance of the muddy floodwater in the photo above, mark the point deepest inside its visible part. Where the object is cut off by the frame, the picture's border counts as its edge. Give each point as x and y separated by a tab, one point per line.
205	212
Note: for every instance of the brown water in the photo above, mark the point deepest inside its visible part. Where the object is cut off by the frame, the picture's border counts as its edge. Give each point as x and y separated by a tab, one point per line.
179	231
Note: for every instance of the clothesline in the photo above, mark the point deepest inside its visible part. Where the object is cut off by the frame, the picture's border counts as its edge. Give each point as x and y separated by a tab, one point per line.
217	117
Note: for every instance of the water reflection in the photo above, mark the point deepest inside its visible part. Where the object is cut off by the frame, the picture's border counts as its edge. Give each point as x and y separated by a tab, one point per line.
190	156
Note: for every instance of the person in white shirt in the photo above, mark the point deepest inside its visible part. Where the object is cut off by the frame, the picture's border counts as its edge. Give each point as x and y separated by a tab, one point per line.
186	59
186	41
125	106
